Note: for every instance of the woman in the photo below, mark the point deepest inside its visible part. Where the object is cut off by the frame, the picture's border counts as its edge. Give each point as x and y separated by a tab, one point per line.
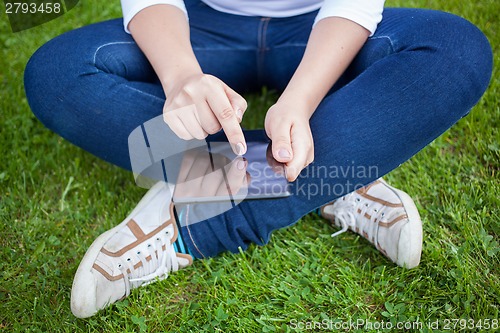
357	91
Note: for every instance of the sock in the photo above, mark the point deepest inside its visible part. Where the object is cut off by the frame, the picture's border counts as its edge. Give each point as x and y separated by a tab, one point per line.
179	244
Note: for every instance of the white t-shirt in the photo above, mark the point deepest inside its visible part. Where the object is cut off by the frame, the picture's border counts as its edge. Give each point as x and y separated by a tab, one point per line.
367	13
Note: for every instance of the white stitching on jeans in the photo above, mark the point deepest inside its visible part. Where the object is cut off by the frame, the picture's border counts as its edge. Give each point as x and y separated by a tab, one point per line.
192	239
384	37
290	45
223	48
129	87
108	44
144	93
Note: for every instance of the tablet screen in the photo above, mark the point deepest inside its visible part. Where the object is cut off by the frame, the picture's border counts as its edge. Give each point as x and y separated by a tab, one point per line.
215	174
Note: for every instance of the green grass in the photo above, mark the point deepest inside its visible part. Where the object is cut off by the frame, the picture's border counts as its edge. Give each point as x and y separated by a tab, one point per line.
56	199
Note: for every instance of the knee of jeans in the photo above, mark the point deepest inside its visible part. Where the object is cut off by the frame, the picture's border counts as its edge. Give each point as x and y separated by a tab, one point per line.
474	53
465	51
36	81
125	59
50	77
476	61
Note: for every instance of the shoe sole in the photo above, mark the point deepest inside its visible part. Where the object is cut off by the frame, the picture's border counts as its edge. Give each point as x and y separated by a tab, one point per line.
83	281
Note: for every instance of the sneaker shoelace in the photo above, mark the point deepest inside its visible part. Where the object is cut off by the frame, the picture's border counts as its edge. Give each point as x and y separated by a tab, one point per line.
142	271
353	211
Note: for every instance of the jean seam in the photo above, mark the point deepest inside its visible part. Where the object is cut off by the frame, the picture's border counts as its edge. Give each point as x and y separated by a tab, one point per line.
192	240
94	63
223	49
290	45
261	45
393	49
104	45
144	93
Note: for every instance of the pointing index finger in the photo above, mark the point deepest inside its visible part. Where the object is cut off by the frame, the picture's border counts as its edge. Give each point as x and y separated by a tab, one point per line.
221	107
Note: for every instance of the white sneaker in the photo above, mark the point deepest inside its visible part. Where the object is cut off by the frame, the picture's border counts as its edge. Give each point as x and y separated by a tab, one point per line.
385	216
137	252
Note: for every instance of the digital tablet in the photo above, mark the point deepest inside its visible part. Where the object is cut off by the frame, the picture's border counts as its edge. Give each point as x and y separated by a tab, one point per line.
215	174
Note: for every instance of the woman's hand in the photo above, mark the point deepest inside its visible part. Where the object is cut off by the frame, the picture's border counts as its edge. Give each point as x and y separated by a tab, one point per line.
197	104
292	141
202	104
333	43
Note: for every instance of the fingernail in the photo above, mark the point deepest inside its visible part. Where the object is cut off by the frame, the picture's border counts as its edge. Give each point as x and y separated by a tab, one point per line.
239	113
241	165
240	149
283	153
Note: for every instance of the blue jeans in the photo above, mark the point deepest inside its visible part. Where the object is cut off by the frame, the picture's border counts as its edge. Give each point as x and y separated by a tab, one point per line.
420	73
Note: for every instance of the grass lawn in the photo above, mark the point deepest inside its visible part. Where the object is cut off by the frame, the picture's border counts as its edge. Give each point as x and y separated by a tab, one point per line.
55	199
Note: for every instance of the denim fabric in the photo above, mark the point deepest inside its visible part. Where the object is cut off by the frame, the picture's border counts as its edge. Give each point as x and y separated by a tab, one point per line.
415	77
